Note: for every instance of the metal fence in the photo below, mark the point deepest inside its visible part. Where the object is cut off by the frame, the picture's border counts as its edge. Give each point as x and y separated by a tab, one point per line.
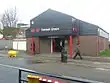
66	78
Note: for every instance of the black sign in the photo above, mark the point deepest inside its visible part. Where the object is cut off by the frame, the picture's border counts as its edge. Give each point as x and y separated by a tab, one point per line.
54	31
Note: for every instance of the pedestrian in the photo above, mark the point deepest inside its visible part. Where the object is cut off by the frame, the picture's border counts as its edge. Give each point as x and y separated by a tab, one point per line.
77	52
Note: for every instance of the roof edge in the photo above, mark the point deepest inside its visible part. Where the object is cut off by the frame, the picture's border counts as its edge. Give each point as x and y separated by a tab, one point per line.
54	11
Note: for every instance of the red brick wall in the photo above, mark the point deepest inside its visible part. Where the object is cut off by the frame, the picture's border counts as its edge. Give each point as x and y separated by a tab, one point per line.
36	45
29	45
103	43
45	45
29	40
88	45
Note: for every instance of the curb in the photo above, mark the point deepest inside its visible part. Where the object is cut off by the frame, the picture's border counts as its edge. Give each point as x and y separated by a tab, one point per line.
89	66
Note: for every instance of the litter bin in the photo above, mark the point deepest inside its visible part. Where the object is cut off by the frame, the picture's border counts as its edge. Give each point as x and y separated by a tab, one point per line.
63	55
12	53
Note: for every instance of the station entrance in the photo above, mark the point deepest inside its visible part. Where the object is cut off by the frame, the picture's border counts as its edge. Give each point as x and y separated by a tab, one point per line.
58	44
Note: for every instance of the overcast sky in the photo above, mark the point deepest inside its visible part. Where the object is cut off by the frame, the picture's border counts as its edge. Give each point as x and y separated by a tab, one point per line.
93	11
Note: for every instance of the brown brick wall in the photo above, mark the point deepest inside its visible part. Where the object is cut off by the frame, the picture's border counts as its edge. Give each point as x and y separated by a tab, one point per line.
29	45
103	43
88	45
36	45
74	43
45	45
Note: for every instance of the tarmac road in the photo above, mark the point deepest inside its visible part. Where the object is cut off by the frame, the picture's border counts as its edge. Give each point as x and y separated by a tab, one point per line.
10	75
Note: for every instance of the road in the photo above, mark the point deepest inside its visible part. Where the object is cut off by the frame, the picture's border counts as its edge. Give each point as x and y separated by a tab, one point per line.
10	75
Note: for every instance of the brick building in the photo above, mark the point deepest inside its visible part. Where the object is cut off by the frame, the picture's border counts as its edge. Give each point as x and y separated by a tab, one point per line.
51	29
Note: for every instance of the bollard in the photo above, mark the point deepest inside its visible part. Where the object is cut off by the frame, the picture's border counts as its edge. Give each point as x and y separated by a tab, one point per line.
64	55
33	79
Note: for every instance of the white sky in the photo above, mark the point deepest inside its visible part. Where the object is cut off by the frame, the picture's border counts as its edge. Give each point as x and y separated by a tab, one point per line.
93	11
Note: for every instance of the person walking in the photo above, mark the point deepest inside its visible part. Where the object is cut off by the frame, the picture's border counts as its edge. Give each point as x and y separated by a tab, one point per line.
77	52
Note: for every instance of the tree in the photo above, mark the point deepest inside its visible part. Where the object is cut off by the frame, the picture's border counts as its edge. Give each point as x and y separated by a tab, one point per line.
10	32
9	18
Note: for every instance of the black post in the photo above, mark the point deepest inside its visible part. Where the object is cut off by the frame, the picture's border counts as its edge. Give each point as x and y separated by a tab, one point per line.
19	77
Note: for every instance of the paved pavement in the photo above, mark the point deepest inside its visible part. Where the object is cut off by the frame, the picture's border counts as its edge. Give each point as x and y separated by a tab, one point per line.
92	70
3	53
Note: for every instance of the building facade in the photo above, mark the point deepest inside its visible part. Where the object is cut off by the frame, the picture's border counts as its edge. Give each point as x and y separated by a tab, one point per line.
52	29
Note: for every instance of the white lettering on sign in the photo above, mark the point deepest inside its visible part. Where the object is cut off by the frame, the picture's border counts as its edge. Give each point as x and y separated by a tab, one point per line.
49	29
46	29
54	29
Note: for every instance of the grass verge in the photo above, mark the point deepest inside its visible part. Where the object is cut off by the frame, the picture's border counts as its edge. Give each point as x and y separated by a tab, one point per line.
105	53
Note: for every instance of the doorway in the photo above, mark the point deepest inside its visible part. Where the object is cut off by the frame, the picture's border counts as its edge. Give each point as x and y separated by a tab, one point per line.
58	43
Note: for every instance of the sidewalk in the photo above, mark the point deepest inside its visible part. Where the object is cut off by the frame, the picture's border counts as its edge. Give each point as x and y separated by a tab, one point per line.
97	58
88	61
57	55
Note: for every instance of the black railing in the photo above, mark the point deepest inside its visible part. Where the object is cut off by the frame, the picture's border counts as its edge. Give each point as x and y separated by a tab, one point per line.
71	79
